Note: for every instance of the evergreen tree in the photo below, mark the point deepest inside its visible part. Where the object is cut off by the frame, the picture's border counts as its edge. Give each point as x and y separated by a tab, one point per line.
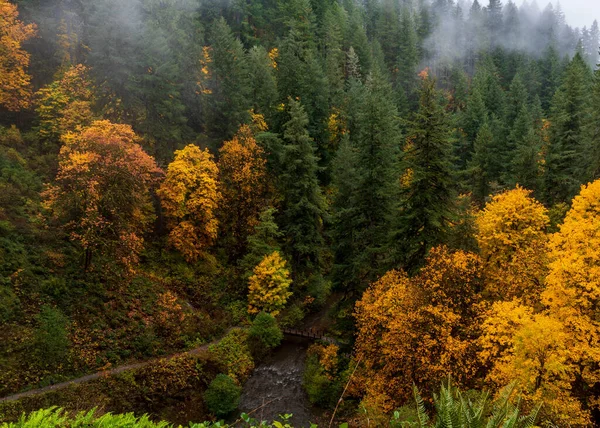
263	86
551	75
516	100
366	172
480	165
592	132
526	163
494	21
428	200
303	204
225	87
300	76
264	241
565	154
408	56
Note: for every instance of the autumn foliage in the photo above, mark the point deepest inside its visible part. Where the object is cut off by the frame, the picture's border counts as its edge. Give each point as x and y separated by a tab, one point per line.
418	330
102	191
15	83
244	186
511	233
268	287
190	197
66	104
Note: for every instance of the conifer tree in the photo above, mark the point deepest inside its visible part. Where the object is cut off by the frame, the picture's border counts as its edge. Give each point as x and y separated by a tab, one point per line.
479	165
564	160
408	56
427	200
263	85
224	83
300	74
366	171
304	204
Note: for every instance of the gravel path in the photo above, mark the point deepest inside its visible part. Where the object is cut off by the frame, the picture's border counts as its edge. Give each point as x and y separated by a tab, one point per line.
110	372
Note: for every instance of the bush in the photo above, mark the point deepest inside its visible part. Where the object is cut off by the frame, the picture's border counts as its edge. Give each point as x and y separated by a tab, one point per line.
322	381
265	333
51	337
233	354
291	317
9	304
222	396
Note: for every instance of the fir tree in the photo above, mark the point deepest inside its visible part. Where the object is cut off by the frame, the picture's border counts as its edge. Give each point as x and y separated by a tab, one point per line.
565	162
366	173
304	205
427	200
226	89
480	165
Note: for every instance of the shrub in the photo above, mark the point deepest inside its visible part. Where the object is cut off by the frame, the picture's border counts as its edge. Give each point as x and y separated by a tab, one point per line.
233	354
222	396
265	332
321	380
51	337
9	304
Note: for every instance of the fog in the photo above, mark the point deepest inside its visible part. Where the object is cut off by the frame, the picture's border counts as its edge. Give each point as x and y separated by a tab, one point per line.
579	13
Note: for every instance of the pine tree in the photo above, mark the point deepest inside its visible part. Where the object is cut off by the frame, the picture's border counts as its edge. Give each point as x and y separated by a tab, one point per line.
304	205
592	132
479	165
525	169
565	161
263	86
264	241
408	56
366	171
551	75
428	200
225	85
300	76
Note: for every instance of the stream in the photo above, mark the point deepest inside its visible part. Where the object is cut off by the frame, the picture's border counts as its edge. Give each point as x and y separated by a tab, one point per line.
278	381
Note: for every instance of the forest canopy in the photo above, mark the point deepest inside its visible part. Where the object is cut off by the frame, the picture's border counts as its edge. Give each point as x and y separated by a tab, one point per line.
424	172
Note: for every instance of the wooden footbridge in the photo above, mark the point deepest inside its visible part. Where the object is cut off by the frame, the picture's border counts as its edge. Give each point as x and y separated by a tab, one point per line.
309	334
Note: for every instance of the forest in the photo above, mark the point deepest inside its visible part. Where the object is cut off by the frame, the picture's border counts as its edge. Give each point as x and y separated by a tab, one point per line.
185	183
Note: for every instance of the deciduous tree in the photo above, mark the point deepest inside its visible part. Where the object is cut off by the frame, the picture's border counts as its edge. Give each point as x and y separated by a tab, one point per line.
419	330
190	196
512	238
102	191
244	186
268	287
15	83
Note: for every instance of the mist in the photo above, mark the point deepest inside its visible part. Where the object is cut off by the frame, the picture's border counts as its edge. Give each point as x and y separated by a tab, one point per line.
466	28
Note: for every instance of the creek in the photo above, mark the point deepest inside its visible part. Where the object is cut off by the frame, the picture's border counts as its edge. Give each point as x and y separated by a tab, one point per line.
277	384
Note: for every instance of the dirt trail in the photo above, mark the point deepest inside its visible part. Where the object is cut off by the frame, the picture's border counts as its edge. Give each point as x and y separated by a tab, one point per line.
110	372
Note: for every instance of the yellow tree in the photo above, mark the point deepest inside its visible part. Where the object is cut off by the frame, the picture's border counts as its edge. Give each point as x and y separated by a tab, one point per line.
419	330
268	287
532	349
66	104
572	292
102	191
15	83
511	233
243	178
190	197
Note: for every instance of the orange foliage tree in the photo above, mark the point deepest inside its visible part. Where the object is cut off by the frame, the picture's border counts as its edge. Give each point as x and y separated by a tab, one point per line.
518	344
15	83
511	233
190	197
66	104
102	191
419	330
572	292
243	178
